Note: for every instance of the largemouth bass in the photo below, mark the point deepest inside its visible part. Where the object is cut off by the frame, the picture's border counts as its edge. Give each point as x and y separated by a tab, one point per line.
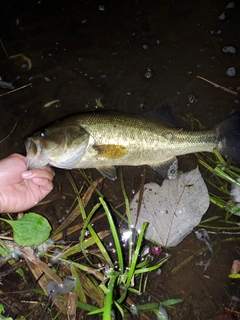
104	140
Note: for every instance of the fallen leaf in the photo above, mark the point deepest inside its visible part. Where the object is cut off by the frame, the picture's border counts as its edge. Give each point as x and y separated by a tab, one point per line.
32	229
173	209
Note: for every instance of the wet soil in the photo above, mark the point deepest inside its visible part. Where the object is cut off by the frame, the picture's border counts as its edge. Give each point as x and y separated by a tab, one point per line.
80	53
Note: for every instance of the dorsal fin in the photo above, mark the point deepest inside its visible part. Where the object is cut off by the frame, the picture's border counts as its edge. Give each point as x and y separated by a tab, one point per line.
164	113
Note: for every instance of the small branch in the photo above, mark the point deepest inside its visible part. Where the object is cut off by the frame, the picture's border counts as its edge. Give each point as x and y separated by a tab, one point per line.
218	86
9	133
27	85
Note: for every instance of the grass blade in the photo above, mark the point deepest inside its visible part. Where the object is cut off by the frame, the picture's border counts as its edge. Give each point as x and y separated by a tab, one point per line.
114	234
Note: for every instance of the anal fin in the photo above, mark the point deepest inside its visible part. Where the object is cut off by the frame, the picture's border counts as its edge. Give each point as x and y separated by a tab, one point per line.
108	171
167	169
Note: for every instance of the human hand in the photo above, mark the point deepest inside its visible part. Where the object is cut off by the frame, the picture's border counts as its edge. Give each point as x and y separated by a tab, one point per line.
22	189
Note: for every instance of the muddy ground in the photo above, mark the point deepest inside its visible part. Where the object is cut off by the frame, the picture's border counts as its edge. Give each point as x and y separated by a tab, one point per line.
80	53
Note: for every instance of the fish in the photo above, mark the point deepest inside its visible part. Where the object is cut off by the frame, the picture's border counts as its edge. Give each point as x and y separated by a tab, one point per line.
105	140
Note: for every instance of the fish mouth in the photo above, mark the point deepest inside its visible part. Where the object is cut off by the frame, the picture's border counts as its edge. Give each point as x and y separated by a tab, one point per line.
34	154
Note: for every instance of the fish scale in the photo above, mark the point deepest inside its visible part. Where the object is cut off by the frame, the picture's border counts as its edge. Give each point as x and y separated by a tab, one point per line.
149	137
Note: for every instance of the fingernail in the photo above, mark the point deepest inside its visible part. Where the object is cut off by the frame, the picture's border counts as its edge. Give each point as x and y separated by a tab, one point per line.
26	174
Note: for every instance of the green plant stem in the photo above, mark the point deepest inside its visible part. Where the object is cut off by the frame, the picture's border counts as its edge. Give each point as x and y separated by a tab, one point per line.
101	246
126	200
219	172
224	205
108	302
134	262
225	176
86	306
97	240
114	234
127	206
219	157
218	228
204	164
82	267
149	269
222	189
232	173
136	254
99	193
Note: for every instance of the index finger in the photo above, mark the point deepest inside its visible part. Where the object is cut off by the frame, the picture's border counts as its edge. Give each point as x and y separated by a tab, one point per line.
45	172
48	168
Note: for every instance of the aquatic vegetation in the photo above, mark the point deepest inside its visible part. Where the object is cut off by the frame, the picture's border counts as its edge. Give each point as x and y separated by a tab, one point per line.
219	174
92	276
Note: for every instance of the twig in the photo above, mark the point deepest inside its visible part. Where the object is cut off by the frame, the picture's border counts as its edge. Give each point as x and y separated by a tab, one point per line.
27	85
223	232
12	268
4	49
232	311
6	238
9	133
217	85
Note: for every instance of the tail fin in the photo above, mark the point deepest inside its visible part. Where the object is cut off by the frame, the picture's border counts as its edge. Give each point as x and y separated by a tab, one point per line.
228	133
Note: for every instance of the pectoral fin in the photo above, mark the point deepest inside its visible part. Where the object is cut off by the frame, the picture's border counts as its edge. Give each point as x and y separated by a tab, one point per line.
109	172
110	151
167	169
